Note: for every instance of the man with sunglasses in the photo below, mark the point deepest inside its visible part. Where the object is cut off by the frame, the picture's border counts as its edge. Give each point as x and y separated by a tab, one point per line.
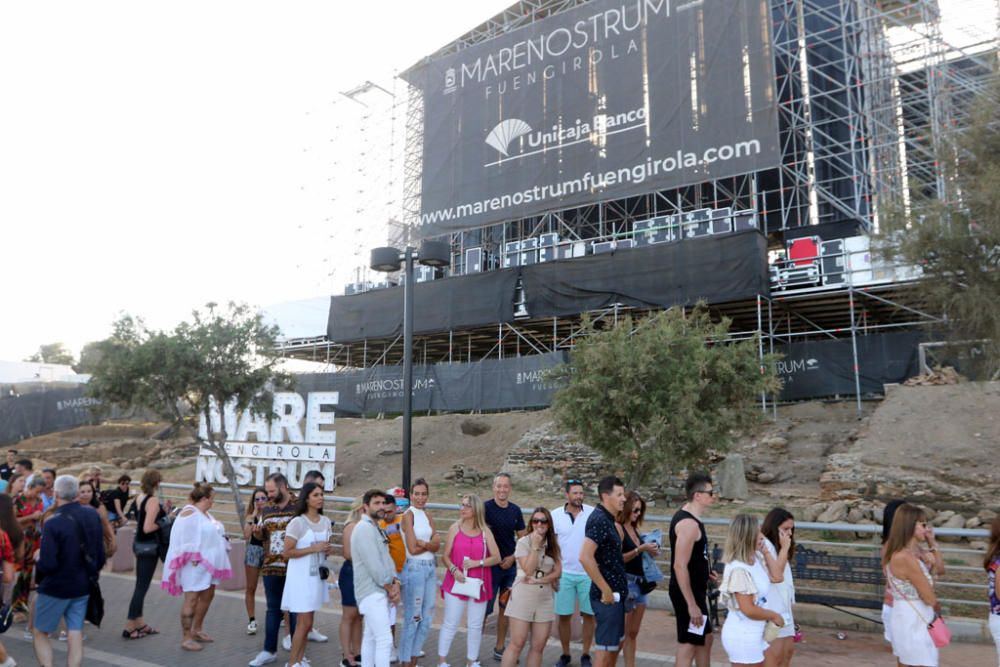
570	522
690	573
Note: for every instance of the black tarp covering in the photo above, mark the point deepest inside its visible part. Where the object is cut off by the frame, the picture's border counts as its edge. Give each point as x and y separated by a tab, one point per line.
816	369
43	412
714	268
439	305
491	384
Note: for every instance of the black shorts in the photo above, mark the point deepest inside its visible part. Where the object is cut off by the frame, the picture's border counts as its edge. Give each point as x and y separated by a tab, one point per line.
684	619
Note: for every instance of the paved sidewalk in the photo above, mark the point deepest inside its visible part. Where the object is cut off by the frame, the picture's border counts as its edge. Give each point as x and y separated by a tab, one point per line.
233	648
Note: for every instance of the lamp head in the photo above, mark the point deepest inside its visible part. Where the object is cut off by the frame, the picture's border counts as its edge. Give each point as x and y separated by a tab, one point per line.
434	253
385	259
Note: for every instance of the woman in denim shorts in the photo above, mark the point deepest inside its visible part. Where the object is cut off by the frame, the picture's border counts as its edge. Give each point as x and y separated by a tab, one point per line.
254	558
632	549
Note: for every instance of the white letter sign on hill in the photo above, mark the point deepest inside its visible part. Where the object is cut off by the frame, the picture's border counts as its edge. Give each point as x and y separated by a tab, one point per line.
275	447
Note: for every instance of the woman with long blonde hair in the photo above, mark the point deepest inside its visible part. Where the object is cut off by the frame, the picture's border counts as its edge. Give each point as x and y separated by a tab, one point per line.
914	605
744	590
350	622
469	551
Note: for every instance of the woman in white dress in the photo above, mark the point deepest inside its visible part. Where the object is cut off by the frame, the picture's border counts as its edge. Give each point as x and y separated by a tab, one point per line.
744	590
777	546
307	543
198	558
909	581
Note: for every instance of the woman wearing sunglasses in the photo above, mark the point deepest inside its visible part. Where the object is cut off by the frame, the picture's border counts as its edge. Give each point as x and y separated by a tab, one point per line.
254	558
530	610
633	547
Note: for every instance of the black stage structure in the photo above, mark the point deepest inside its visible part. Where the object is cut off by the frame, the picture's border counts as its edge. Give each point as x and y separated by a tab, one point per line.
847	104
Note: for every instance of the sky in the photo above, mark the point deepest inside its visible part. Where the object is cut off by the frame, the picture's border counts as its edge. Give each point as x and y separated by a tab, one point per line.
157	156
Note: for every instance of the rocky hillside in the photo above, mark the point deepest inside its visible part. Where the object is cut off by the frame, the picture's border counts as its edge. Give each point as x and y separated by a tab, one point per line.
933	445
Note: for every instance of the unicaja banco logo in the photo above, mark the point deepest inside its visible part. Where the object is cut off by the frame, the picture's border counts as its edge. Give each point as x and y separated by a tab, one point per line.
449	80
505	132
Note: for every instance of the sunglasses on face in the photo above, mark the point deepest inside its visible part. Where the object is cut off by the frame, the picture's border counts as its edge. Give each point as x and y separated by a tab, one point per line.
541	520
260	500
466	506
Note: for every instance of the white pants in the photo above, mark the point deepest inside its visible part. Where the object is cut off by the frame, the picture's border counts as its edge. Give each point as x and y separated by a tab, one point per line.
453	608
376	641
995	630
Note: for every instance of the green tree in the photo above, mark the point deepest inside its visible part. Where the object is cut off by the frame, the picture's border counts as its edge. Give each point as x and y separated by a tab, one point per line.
52	353
90	357
221	357
655	396
955	239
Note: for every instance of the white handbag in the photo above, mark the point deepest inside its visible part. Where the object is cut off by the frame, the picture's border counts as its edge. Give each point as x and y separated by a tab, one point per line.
472	587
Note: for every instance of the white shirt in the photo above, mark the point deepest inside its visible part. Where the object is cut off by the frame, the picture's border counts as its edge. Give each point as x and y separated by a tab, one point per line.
570	533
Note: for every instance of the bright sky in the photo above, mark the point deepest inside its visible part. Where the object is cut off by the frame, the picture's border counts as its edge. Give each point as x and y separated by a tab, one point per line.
156	156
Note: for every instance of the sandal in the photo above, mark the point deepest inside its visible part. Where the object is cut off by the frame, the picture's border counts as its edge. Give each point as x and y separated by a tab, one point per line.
191	645
202	637
134	633
147	630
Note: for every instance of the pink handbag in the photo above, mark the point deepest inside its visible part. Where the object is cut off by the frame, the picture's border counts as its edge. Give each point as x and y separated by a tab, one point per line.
940	634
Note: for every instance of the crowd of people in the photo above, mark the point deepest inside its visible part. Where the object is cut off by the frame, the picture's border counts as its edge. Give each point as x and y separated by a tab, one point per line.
595	560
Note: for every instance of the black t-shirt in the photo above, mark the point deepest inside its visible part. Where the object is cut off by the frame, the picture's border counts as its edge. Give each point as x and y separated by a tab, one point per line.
504	523
5	471
601	531
108	499
698	563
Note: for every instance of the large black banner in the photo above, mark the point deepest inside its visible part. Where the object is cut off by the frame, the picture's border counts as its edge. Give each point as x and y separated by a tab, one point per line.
491	384
814	369
609	99
43	412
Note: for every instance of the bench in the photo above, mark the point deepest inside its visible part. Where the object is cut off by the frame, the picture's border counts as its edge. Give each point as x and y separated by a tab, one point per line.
815	565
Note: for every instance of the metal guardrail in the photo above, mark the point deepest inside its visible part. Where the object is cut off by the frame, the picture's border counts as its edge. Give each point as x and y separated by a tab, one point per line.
960	577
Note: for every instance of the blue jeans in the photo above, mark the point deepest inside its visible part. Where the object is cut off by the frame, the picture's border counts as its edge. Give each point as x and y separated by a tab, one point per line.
274	588
419	581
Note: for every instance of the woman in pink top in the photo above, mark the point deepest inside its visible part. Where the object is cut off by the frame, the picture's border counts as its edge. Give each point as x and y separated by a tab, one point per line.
469	550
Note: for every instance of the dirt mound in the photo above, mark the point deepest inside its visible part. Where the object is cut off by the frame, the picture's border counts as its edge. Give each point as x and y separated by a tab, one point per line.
929	443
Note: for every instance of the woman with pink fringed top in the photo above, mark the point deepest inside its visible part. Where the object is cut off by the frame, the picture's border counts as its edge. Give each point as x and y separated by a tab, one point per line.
197	560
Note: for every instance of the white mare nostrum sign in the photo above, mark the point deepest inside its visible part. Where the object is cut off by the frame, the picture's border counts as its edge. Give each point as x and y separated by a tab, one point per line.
259	448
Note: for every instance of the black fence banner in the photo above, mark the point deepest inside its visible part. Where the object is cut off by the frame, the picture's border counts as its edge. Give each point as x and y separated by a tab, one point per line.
41	412
490	384
821	368
612	98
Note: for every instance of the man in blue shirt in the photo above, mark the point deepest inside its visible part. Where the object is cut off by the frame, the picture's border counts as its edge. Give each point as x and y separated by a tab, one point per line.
48	495
63	573
506	521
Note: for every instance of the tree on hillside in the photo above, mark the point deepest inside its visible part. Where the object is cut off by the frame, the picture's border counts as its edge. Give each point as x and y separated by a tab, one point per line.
223	357
90	356
956	239
655	396
52	353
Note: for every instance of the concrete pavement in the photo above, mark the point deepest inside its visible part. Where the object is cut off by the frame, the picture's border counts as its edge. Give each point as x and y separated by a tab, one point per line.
226	622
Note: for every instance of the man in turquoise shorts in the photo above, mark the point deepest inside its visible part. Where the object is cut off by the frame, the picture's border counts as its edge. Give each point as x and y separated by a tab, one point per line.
570	522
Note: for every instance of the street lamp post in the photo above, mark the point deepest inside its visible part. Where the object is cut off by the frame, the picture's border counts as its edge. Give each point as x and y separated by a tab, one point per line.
431	253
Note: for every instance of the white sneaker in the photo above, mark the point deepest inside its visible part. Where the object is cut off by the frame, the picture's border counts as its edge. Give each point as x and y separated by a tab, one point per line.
286	643
29	635
394	656
317	636
475	664
9	662
263	658
252	627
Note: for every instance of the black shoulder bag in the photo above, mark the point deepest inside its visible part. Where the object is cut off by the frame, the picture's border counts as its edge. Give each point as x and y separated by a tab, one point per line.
95	600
